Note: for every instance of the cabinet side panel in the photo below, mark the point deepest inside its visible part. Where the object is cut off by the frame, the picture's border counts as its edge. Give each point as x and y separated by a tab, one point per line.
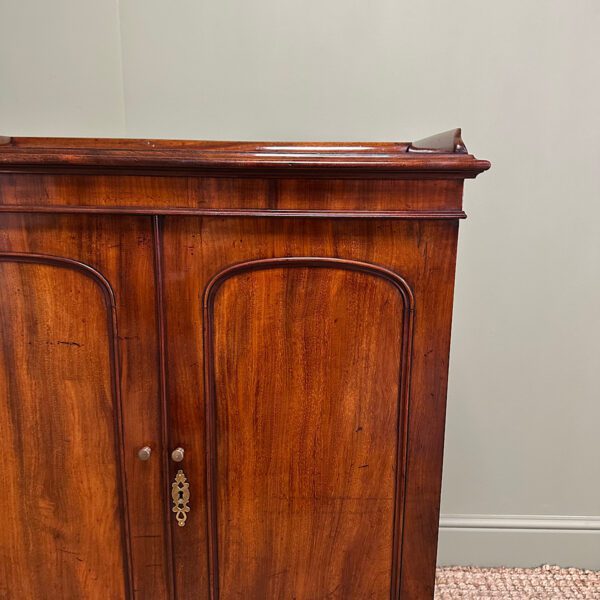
63	528
429	381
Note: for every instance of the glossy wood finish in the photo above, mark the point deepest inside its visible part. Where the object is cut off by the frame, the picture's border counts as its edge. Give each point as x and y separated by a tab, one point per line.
302	461
64	364
226	196
280	159
280	311
449	141
61	435
423	253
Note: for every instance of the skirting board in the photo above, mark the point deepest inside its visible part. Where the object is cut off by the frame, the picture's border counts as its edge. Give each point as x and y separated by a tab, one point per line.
519	541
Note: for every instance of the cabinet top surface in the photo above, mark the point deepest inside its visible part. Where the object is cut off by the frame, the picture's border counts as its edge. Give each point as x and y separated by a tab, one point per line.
443	155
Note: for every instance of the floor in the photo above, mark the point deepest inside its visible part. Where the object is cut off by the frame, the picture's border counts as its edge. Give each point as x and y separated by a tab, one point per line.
543	583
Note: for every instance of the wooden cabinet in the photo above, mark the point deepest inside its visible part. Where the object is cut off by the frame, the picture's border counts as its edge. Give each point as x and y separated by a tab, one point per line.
223	366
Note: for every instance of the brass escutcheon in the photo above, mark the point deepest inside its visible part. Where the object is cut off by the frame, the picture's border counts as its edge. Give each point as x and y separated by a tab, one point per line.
180	492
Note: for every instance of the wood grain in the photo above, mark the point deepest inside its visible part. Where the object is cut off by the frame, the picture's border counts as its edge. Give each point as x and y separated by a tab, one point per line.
422	253
280	311
255	159
63	513
305	427
120	249
189	195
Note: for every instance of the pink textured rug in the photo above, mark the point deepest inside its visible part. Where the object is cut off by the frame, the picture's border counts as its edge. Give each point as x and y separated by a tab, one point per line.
543	583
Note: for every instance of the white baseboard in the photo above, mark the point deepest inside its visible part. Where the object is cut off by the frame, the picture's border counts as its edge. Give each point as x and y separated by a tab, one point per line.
519	540
549	522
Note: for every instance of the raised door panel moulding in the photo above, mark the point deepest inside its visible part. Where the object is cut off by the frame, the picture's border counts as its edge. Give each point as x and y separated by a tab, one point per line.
49	387
292	302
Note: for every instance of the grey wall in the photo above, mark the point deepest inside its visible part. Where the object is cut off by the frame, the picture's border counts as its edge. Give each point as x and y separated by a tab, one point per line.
522	475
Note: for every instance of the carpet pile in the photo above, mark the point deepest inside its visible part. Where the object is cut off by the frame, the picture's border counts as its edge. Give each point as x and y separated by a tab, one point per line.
543	583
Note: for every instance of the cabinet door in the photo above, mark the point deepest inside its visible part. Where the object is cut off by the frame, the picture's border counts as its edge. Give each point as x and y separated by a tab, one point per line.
290	350
81	516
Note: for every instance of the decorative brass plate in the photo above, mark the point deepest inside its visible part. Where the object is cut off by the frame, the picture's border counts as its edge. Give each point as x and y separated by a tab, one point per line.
180	492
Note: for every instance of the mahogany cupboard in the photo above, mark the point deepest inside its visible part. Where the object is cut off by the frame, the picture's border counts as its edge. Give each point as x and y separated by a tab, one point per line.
223	366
